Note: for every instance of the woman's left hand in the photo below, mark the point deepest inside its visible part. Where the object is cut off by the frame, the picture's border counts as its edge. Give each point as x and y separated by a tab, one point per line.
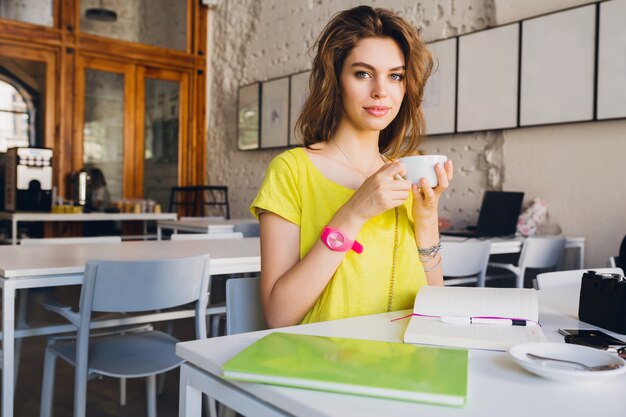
426	199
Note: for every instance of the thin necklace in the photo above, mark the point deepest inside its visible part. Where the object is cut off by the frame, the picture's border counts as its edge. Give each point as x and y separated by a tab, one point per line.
365	175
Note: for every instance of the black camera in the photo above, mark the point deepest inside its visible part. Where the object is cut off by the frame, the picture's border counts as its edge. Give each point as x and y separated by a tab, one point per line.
603	301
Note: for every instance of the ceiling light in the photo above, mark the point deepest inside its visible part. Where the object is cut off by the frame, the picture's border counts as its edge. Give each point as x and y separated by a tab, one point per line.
101	14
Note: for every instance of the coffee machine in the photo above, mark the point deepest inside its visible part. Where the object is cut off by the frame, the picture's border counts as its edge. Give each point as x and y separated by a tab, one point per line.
28	179
81	188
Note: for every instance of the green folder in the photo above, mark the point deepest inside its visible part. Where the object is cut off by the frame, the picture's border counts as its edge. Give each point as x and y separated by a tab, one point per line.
361	367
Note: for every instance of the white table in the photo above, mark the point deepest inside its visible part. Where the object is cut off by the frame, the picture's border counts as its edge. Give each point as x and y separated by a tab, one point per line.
496	385
201	225
57	265
501	246
15	218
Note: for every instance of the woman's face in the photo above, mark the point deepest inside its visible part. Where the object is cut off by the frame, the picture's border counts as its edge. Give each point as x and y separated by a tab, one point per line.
372	84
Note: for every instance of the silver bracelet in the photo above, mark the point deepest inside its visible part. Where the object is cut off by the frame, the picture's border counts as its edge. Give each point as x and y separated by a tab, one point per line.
435	266
429	257
431	251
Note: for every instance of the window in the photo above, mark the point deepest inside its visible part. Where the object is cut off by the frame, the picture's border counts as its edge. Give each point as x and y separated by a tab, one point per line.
38	12
16	115
160	23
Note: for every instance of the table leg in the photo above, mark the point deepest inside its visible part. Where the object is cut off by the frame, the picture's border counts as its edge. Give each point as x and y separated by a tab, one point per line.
158	232
190	397
8	346
13	232
194	382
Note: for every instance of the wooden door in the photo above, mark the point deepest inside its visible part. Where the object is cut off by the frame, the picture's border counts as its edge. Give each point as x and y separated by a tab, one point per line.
104	125
163	132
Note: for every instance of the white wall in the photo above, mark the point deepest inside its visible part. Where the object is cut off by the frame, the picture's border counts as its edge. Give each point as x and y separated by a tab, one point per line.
38	12
253	40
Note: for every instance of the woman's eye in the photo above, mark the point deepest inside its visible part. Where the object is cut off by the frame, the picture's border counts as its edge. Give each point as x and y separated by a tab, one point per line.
397	77
362	74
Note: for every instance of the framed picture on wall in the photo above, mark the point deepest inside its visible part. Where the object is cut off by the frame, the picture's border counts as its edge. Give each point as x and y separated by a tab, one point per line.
248	116
298	93
275	113
612	61
558	67
488	79
440	91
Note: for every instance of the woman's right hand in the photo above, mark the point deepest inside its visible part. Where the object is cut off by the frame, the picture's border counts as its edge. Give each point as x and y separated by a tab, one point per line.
382	191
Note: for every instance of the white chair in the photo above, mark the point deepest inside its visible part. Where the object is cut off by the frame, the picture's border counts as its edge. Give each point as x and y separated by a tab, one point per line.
244	313
465	262
244	310
126	286
206	236
217	310
572	277
538	253
22	295
248	229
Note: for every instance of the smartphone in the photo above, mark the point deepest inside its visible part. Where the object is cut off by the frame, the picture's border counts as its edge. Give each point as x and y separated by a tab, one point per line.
610	340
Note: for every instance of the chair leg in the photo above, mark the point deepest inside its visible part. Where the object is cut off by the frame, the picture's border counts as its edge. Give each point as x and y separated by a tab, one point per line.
161	383
151	395
169	329
215	325
122	392
80	392
520	277
47	388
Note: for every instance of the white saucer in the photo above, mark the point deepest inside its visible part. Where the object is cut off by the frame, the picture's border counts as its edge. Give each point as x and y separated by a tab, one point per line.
566	373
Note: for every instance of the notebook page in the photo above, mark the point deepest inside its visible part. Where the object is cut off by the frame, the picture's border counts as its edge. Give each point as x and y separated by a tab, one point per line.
473	302
432	331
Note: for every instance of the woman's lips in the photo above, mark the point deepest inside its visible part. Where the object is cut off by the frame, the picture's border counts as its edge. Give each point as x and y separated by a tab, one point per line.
377	111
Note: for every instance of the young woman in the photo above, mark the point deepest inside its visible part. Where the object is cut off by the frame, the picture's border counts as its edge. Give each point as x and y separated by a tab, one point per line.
342	234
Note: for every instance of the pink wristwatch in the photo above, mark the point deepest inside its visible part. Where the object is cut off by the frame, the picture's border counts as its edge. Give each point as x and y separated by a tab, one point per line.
337	241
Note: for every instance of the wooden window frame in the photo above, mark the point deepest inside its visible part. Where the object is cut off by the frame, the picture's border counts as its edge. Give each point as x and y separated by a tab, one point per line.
66	48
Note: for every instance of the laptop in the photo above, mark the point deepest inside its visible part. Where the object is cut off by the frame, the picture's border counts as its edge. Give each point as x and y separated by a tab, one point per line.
497	217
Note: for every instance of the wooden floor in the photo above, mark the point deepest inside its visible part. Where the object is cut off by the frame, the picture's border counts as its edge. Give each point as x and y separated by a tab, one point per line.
102	394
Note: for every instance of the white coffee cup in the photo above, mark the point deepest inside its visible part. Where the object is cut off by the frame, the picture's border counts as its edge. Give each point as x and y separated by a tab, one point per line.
420	166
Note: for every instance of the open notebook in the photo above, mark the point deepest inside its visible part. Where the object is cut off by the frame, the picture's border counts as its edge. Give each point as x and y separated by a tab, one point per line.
433	303
351	366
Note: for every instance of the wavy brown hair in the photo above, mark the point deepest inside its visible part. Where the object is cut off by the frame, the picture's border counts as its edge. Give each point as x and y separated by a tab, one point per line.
322	111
